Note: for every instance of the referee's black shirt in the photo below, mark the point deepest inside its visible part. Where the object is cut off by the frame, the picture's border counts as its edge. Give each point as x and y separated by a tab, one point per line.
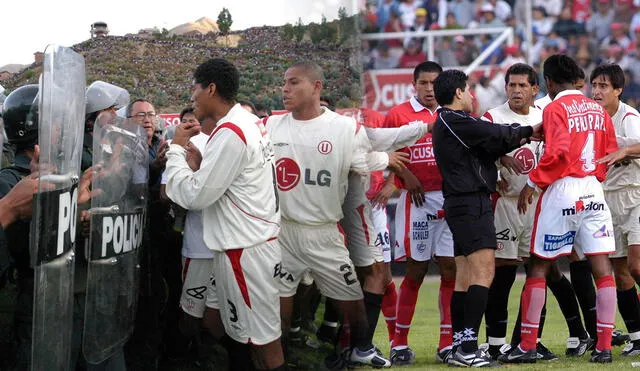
466	150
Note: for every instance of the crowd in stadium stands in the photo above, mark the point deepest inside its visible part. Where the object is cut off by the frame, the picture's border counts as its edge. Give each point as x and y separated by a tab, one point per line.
590	31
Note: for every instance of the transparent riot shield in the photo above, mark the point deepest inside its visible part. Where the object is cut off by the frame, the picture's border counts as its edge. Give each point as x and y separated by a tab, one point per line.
120	161
61	105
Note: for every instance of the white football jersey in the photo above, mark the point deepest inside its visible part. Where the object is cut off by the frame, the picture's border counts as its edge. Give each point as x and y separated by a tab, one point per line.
313	161
235	185
542	102
527	154
626	173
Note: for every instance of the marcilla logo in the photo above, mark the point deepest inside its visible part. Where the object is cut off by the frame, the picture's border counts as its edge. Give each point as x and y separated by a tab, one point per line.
581	206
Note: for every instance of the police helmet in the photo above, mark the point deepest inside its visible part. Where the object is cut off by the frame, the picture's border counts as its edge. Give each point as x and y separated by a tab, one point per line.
102	95
20	115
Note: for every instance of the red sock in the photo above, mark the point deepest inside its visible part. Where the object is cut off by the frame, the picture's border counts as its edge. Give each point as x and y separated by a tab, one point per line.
605	310
389	303
444	299
532	303
406	306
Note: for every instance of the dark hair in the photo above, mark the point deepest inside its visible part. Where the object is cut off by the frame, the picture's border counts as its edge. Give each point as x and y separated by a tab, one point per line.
522	69
186	111
447	83
427	66
562	69
312	69
130	105
612	71
330	102
247	103
581	74
263	107
223	74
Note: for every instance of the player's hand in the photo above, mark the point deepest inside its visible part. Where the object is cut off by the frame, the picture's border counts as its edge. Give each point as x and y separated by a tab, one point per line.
397	160
503	185
382	197
525	199
538	133
614	157
413	187
194	157
514	166
184	132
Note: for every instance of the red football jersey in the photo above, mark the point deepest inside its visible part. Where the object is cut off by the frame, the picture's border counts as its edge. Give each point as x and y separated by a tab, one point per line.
422	162
577	132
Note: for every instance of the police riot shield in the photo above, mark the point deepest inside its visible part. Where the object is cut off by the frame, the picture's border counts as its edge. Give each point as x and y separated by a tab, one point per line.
120	158
60	107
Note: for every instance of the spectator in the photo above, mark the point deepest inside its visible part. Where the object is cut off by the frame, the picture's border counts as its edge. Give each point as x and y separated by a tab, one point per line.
631	62
451	22
618	36
566	26
624	12
513	55
384	59
635	27
412	55
462	10
433	12
384	12
631	92
419	25
580	10
445	54
502	9
614	53
407	9
465	50
600	23
551	7
541	23
585	61
488	17
394	25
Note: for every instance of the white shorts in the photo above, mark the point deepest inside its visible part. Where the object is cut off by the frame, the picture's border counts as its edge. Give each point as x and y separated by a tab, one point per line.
322	252
513	230
381	228
248	292
572	211
196	278
625	213
360	232
422	232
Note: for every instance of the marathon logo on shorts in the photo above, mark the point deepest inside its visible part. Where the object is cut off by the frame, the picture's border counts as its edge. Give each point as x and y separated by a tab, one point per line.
420	230
603	232
553	242
581	206
116	234
422	152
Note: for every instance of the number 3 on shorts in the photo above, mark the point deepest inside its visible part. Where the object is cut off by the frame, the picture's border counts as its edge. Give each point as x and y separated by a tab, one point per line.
348	274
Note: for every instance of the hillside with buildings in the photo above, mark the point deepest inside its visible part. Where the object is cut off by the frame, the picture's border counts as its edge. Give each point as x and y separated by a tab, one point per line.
158	65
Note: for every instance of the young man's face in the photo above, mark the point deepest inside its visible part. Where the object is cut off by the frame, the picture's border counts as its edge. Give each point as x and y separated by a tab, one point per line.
519	91
467	99
603	92
424	89
190	118
201	101
298	89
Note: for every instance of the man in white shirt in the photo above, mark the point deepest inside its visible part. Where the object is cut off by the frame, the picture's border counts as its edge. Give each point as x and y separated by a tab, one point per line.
315	151
234	187
622	194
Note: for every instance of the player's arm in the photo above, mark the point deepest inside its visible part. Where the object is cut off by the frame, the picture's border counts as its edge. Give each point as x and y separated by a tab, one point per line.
390	139
555	158
223	160
494	139
631	128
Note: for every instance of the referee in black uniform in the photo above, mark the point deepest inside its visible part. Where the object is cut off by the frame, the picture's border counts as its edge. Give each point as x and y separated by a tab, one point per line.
466	150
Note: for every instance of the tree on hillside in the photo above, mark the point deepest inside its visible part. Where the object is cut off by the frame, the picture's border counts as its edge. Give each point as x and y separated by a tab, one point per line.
287	32
224	21
299	30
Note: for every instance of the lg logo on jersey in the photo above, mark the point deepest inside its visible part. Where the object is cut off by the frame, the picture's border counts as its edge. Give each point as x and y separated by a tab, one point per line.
526	158
288	175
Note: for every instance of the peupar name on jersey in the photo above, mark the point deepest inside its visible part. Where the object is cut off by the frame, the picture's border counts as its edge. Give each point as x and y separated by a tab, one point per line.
57	215
118	234
586	122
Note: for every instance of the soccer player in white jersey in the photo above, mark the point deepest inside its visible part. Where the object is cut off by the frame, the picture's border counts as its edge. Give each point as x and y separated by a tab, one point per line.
622	193
513	230
234	187
315	151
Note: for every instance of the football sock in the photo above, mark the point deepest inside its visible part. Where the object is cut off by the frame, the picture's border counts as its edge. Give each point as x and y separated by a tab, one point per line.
474	306
406	306
372	304
444	299
629	307
566	297
389	304
582	283
457	315
497	313
532	301
606	310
